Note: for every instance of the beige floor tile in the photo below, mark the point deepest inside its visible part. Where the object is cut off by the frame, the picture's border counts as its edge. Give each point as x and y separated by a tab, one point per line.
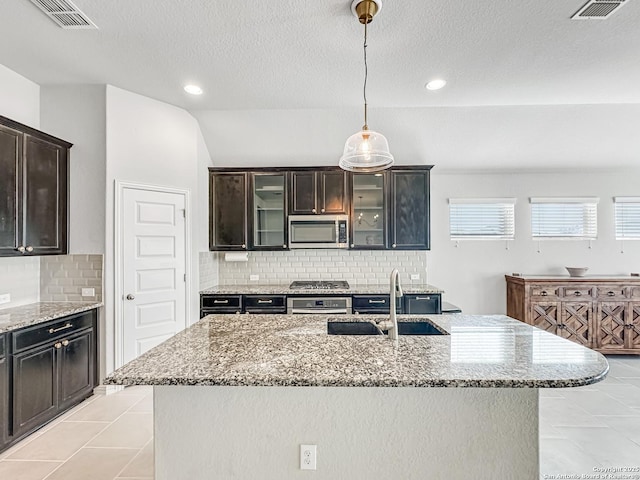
142	465
60	442
94	464
25	470
131	430
143	406
105	409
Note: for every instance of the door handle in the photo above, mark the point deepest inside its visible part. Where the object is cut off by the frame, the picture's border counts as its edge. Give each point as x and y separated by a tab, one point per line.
130	297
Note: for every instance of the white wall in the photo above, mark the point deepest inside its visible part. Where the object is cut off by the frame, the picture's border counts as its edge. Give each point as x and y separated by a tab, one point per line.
153	143
84	125
19	98
20	101
472	274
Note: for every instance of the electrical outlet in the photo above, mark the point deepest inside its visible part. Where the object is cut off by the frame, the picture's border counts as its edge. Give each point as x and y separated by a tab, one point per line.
415	276
5	298
88	292
254	278
308	457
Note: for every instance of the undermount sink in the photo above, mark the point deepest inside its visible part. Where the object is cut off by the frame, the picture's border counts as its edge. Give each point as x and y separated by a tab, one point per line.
366	328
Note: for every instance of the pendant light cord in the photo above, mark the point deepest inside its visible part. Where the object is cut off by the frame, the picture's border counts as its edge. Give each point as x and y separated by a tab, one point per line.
366	75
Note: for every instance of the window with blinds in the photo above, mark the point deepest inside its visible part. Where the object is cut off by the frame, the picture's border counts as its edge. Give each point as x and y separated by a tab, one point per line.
564	218
482	218
627	218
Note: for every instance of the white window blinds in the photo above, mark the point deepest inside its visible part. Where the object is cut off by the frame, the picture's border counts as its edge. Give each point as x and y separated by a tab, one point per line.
481	218
627	218
569	218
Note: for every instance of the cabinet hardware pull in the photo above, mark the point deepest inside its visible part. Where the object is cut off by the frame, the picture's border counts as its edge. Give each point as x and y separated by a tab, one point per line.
21	249
65	343
394	245
58	345
29	249
377	301
221	301
244	245
423	298
577	293
265	301
284	245
313	210
322	210
54	330
544	293
611	294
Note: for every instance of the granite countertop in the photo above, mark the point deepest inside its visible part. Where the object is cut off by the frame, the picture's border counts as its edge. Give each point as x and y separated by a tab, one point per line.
285	290
34	313
295	350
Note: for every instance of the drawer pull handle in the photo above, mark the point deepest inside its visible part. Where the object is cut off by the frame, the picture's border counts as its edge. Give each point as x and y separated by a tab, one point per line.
54	330
221	301
611	294
65	343
377	301
423	298
58	345
265	301
577	293
544	293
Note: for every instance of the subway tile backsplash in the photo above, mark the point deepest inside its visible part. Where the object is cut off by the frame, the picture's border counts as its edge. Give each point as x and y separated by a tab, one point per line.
357	267
208	269
62	278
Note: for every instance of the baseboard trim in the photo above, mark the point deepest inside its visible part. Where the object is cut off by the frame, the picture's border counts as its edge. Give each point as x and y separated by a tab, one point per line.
107	389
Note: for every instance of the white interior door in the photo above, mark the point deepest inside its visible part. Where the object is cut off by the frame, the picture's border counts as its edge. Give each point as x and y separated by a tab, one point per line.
154	268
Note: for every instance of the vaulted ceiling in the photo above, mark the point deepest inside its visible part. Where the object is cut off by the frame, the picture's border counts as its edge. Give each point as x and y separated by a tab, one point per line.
527	86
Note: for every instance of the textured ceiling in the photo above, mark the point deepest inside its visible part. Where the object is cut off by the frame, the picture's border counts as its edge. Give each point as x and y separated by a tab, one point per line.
297	54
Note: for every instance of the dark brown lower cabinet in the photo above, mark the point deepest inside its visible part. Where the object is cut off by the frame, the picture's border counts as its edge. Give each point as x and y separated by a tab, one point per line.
54	367
4	392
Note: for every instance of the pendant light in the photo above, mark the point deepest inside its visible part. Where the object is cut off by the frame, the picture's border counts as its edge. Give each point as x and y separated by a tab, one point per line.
366	151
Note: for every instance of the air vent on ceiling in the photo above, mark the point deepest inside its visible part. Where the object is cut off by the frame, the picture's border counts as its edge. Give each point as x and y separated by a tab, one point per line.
65	14
598	9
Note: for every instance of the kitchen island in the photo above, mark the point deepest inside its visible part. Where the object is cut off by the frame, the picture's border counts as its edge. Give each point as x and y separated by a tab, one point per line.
236	395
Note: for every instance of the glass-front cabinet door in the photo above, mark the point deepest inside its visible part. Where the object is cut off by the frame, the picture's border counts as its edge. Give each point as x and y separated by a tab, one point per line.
368	211
269	211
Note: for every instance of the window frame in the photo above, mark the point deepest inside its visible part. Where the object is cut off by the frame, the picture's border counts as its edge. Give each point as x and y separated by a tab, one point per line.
507	209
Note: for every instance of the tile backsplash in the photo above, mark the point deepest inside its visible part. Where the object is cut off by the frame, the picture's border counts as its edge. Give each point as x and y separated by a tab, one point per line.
208	269
62	277
19	277
357	267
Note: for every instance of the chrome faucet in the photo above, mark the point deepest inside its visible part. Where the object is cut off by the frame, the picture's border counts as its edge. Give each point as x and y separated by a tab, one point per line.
395	292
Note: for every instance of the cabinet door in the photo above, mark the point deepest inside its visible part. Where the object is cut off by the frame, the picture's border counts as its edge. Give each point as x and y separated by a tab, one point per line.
333	192
228	211
633	326
76	367
576	324
410	210
35	393
368	210
545	315
4	399
304	193
269	212
611	325
45	200
10	190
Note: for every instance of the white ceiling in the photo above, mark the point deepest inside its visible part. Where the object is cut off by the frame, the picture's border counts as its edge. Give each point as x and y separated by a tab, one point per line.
286	55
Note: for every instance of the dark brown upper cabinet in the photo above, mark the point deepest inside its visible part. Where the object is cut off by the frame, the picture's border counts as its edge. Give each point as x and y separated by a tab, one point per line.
33	191
318	192
410	222
268	219
228	208
369	206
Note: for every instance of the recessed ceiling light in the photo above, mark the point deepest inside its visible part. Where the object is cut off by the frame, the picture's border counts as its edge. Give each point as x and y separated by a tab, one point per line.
193	89
436	84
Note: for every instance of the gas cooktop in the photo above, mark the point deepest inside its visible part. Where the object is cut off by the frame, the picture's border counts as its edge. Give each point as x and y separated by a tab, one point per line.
318	285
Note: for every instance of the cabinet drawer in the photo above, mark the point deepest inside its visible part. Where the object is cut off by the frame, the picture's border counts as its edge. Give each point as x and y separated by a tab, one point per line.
577	292
374	304
32	336
612	292
635	292
221	302
544	291
424	303
265	303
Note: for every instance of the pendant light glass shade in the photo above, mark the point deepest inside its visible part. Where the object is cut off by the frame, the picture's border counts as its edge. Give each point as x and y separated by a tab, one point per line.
366	151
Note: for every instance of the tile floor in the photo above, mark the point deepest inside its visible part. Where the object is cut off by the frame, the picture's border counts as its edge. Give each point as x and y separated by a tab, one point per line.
110	437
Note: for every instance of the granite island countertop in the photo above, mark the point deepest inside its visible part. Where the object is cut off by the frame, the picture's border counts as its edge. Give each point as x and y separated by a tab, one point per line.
285	290
34	313
295	350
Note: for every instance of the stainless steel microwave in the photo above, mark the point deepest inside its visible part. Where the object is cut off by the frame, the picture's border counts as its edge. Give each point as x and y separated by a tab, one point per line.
318	231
